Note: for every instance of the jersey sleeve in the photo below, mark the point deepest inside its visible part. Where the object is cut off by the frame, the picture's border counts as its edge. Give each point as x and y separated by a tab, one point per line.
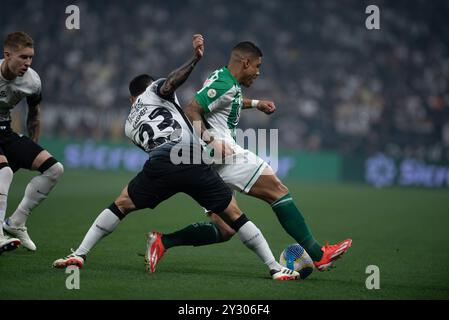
214	96
36	97
34	100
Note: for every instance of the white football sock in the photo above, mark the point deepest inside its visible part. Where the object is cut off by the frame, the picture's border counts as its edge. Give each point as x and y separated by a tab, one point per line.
36	191
6	175
105	223
253	238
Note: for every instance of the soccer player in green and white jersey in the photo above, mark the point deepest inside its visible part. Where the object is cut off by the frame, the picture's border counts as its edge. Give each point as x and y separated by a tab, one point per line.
217	108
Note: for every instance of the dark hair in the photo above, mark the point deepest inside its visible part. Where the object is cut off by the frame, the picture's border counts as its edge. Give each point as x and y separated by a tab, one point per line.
18	39
248	47
139	84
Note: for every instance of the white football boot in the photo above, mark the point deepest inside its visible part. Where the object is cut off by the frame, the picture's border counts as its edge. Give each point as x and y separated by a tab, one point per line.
284	274
71	260
21	234
8	244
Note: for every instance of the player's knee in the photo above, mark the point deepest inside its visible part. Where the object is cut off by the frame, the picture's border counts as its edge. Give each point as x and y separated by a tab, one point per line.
6	169
52	169
124	207
6	175
281	188
57	170
115	209
125	204
275	191
231	213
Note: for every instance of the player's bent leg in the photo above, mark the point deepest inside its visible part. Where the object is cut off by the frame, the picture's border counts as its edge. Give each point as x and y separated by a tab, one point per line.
199	234
106	222
254	240
124	203
204	185
231	213
40	159
36	191
226	231
269	188
196	234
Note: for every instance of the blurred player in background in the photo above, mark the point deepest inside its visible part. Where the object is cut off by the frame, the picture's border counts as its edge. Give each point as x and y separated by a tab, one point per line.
18	81
217	107
157	124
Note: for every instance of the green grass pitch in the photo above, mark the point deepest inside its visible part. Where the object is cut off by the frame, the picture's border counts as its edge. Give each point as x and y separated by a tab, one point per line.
402	231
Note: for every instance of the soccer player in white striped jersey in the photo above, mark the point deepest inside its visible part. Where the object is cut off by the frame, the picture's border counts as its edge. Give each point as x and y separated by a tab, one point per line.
217	107
19	81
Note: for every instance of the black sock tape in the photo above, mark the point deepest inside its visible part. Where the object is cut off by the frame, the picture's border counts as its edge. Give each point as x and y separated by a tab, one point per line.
47	164
115	210
4	165
237	224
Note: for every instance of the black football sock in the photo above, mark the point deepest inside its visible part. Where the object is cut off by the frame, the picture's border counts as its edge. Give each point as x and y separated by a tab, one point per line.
196	234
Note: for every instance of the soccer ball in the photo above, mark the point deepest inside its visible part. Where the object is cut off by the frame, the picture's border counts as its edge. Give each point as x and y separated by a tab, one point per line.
296	258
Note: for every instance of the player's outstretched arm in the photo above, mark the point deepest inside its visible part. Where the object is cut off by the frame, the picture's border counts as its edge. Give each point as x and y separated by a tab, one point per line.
265	106
176	78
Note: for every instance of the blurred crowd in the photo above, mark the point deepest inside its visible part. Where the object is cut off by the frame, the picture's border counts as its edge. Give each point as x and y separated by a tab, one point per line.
337	85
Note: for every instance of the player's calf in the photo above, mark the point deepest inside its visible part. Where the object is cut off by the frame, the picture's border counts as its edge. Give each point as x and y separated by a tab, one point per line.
226	231
36	191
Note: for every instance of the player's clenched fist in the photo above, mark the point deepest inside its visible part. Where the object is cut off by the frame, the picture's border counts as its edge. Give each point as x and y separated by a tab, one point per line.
198	45
267	107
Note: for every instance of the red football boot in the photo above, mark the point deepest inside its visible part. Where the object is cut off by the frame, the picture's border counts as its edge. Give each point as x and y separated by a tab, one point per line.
332	253
154	251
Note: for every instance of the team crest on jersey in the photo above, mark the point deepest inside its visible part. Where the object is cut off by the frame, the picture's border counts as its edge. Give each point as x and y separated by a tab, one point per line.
211	93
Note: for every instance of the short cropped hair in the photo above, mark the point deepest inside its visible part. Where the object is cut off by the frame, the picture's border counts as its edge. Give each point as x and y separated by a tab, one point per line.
17	40
139	84
247	47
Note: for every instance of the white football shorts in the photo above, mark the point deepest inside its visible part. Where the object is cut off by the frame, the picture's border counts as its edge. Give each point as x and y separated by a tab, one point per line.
241	170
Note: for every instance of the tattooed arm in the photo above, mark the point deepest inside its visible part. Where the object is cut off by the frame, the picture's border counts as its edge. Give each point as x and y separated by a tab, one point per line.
33	122
176	78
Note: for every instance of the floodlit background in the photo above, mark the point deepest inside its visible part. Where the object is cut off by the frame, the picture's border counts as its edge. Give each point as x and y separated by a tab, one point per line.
338	86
